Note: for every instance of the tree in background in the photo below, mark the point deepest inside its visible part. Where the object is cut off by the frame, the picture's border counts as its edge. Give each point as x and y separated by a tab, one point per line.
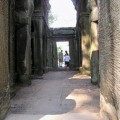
59	49
51	18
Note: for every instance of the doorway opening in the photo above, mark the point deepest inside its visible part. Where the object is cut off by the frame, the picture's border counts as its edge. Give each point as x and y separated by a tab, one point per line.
62	46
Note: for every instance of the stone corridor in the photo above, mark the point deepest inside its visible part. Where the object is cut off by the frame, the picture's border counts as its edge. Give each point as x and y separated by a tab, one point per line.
63	95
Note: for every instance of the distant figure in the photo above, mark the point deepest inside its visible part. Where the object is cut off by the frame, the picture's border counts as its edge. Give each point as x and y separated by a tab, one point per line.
67	60
60	58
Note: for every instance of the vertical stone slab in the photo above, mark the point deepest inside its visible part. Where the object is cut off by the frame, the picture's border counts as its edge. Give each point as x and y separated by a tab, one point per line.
72	49
94	53
24	10
45	31
4	67
92	5
49	54
40	22
38	48
85	40
12	47
83	29
109	56
54	56
79	46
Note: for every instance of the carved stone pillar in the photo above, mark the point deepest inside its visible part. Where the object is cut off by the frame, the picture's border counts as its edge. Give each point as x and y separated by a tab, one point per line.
24	10
72	49
38	48
85	43
49	53
45	49
94	41
54	57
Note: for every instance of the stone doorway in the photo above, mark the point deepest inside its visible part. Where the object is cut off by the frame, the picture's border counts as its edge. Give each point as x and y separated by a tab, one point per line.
62	46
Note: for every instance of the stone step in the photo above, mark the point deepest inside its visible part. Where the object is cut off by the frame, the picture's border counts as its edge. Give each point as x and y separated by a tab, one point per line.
67	116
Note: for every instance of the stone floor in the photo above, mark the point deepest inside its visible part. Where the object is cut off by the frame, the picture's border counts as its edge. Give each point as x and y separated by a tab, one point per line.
63	95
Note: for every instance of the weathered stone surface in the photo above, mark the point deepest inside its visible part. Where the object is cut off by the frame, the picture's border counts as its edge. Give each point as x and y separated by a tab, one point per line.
94	14
12	47
83	29
95	67
4	67
91	4
94	53
40	25
38	49
23	13
85	40
109	59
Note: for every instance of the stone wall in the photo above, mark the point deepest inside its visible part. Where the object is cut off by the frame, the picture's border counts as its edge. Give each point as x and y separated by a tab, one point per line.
83	35
4	67
109	56
93	8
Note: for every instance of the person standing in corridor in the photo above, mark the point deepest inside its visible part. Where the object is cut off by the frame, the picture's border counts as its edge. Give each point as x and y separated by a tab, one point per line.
67	60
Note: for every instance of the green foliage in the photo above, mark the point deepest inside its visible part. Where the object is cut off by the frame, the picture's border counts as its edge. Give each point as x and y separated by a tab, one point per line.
59	49
51	18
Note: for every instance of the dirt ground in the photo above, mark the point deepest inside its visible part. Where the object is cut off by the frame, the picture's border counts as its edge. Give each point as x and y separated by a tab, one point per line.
63	95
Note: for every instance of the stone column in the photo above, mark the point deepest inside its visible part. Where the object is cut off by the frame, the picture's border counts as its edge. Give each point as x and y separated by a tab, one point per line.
79	50
4	62
44	47
78	55
49	53
54	55
38	48
72	53
85	43
94	41
24	10
12	47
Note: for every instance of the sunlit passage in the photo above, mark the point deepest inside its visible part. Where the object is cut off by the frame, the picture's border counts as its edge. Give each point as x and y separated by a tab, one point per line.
64	13
59	96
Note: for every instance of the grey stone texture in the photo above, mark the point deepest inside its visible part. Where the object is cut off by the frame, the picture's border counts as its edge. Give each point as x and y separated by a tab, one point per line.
109	63
93	8
40	24
23	14
4	66
83	29
12	46
65	95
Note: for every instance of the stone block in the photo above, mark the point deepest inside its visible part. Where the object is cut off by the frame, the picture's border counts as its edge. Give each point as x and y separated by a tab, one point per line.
94	14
